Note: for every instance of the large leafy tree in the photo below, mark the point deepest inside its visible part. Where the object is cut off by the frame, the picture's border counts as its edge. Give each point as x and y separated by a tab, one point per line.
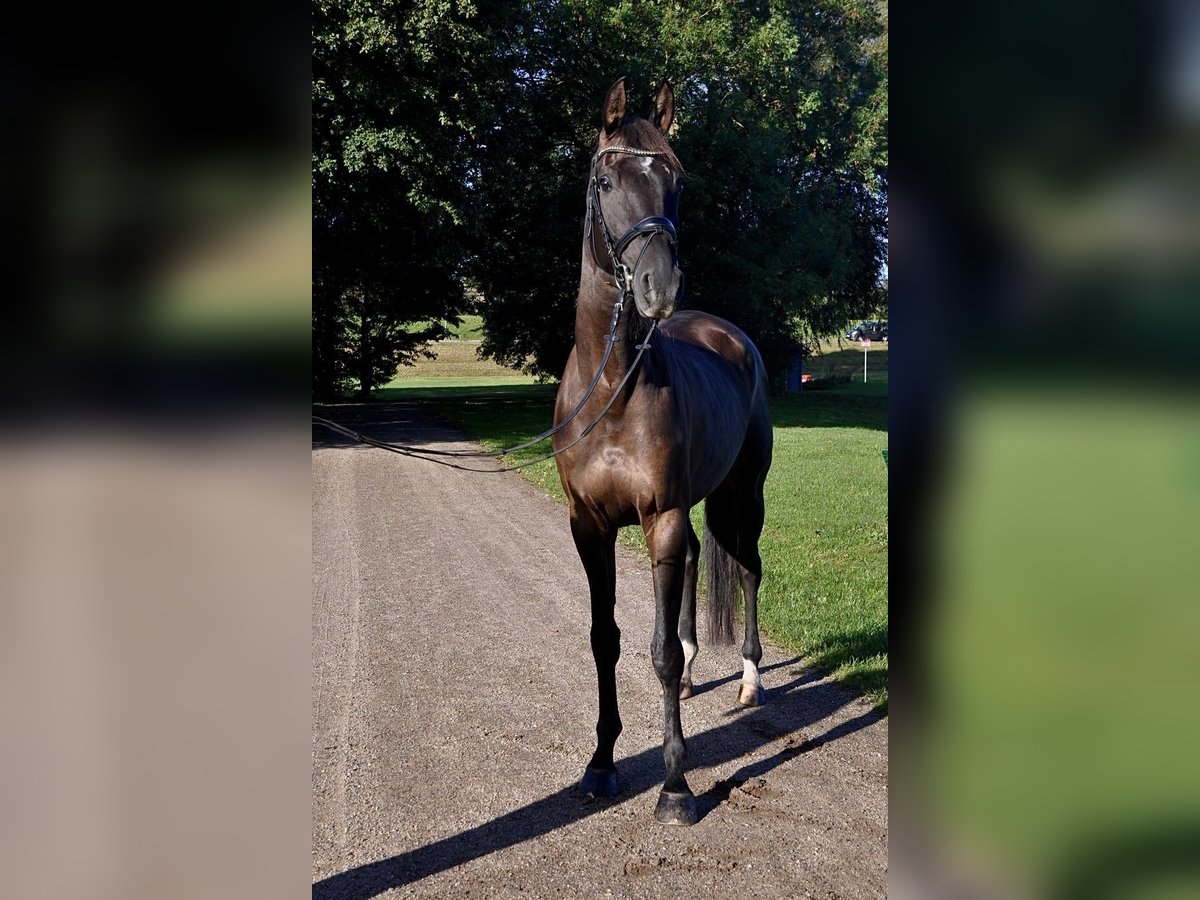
399	88
781	122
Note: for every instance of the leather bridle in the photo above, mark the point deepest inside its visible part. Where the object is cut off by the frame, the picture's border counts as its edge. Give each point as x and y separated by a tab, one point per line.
650	227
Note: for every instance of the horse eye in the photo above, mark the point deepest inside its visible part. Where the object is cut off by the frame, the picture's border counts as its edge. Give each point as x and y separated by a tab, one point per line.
679	185
605	184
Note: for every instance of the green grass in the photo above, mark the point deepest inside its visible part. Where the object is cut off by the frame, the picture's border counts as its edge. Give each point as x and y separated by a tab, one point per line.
458	360
844	363
470	328
825	543
432	387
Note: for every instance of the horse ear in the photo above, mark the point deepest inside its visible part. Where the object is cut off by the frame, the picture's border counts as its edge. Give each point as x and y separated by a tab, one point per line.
613	110
664	107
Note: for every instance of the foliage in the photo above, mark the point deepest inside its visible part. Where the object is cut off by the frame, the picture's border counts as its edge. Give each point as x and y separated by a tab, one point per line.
394	96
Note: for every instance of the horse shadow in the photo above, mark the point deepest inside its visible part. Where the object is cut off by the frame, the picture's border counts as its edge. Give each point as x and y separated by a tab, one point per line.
796	704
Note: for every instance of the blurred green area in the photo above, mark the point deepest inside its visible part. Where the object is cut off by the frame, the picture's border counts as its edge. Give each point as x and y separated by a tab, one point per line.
1065	640
180	278
244	277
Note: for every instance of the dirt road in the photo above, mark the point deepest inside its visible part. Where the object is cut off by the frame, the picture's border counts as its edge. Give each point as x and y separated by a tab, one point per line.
454	708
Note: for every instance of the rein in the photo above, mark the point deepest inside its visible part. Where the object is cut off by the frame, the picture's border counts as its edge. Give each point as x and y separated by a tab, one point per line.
430	455
623	275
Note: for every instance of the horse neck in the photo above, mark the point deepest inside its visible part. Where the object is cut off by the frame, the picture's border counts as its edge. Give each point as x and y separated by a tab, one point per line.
593	317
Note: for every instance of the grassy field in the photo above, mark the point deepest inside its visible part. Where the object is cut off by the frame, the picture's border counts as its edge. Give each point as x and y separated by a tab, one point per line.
843	362
470	328
1063	637
457	365
825	544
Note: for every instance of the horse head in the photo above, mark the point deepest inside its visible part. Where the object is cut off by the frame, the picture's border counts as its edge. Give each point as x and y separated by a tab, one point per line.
633	201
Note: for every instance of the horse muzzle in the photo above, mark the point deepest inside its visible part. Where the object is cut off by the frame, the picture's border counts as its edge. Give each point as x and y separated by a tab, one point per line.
657	292
654	277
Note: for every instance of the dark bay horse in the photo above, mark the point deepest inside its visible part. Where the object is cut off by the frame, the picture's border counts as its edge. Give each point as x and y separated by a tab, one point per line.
688	421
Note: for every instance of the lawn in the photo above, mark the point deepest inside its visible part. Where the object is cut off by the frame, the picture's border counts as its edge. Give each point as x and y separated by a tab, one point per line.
825	544
842	361
470	328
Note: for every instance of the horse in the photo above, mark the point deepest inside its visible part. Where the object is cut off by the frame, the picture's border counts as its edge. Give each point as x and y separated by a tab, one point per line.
677	406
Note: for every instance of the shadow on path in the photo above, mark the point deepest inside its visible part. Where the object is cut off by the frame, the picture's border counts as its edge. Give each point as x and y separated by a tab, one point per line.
402	422
797	704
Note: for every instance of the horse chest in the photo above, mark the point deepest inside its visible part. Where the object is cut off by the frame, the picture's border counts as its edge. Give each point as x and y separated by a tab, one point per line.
620	482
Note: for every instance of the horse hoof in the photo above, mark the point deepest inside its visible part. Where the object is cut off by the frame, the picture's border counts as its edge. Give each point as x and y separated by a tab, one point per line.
676	809
686	689
599	782
751	695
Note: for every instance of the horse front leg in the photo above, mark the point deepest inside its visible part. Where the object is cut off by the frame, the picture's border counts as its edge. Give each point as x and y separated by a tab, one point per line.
667	538
595	542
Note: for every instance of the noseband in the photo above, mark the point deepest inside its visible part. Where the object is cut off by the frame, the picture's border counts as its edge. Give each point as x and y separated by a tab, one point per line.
650	226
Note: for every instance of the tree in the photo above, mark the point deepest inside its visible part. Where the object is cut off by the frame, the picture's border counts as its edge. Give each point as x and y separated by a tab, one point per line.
396	99
781	112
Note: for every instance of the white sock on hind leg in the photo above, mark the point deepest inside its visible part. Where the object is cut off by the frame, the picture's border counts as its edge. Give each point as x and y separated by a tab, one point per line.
689	655
750	674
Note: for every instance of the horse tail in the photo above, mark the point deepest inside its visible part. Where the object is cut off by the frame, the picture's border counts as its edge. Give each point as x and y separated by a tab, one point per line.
724	587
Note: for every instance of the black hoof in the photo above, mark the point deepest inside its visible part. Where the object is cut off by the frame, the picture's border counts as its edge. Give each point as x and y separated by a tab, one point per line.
676	809
599	782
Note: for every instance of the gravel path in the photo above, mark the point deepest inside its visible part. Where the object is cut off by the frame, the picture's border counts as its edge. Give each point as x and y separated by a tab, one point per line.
454	708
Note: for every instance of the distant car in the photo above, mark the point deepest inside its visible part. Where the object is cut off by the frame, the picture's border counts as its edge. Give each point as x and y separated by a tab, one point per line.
872	331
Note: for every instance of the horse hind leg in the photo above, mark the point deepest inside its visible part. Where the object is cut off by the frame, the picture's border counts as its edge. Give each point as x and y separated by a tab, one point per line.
687	614
750	692
750	524
734	521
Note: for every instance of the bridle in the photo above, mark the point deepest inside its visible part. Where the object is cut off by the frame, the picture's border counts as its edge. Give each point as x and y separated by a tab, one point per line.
649	227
